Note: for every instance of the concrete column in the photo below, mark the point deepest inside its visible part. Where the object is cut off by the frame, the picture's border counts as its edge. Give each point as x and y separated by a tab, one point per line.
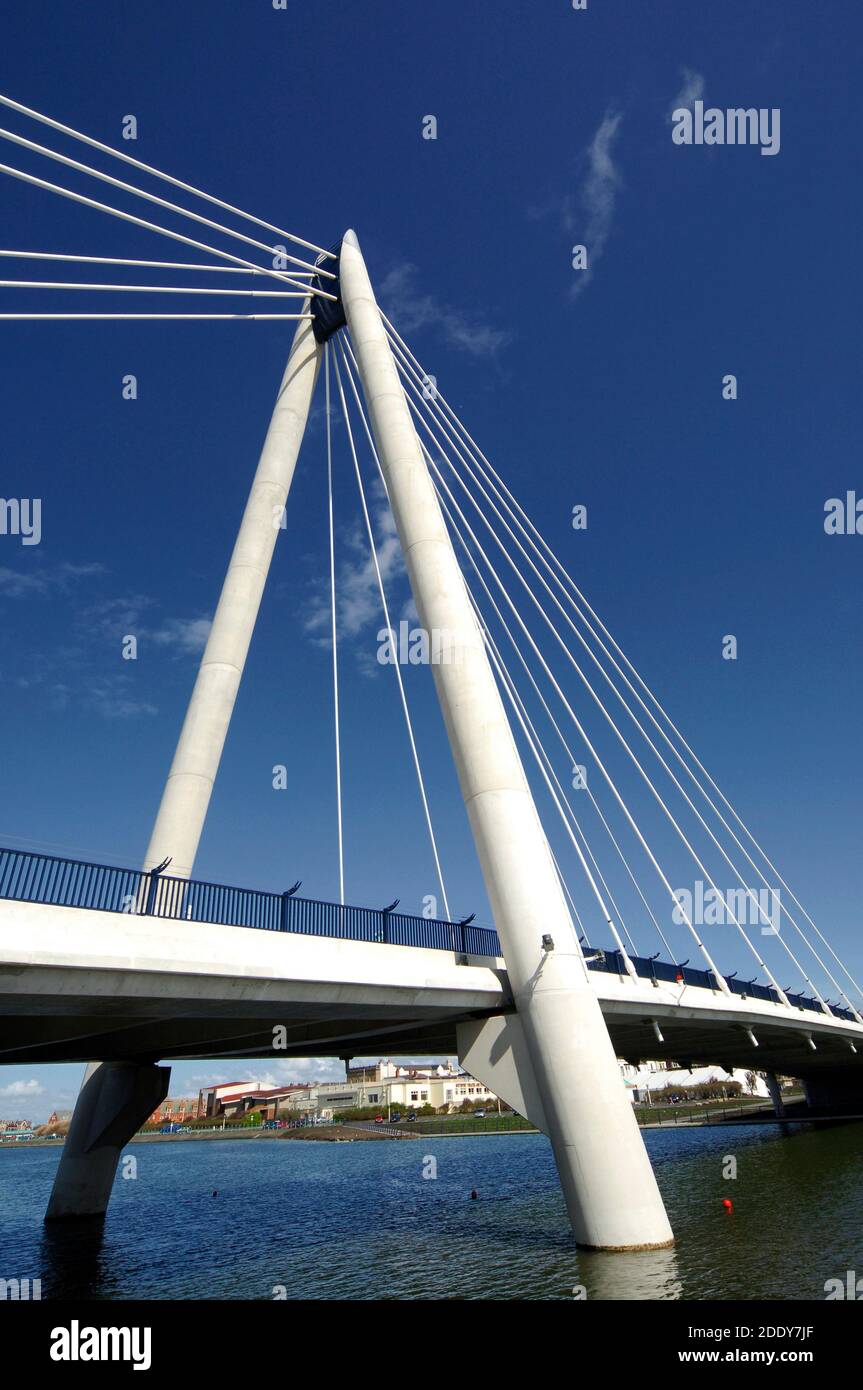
609	1186
114	1101
774	1090
119	1090
190	781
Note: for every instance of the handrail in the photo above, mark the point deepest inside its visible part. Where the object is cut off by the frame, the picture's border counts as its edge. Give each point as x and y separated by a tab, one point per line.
28	876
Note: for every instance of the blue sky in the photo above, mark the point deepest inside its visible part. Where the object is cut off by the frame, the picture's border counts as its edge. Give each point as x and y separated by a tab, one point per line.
705	515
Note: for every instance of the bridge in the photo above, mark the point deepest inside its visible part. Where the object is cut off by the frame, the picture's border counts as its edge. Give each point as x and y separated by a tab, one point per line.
82	972
136	967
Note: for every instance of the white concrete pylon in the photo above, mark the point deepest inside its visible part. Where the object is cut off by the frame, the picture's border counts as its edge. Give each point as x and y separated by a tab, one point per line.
190	781
609	1186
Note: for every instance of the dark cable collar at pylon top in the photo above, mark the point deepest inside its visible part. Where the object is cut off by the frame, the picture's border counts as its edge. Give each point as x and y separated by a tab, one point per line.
328	315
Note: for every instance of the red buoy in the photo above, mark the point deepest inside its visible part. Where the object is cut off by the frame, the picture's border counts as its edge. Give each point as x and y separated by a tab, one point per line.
727	1203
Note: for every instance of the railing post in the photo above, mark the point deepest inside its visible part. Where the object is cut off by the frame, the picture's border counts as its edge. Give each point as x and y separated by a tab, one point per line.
150	901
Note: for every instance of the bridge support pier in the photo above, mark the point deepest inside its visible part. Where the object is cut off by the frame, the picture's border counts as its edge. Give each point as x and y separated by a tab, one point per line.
114	1101
774	1090
840	1091
609	1186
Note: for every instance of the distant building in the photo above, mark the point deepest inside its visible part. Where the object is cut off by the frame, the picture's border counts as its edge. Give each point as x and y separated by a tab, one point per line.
60	1117
174	1111
211	1099
389	1070
235	1098
391	1087
266	1101
649	1078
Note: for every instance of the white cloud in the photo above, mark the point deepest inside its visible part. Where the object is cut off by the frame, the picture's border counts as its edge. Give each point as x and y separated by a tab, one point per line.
598	197
112	696
587	215
358	603
22	1088
691	90
42	583
410	310
281	1073
186	635
122	616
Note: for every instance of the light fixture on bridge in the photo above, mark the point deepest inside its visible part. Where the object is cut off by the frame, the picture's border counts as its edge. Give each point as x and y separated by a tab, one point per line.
851	1045
547	942
653	979
811	1041
751	1036
657	1030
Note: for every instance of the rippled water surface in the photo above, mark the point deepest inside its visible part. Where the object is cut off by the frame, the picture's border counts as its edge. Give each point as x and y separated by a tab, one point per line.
359	1221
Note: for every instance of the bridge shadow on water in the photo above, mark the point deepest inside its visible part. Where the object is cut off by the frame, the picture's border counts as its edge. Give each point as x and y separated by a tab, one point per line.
73	1260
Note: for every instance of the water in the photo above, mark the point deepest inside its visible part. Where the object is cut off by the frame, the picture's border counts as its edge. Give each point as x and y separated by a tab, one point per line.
359	1221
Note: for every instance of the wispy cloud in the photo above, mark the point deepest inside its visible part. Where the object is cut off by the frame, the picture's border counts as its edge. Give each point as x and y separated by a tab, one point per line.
587	214
73	672
187	636
411	310
358	604
117	617
283	1073
45	581
116	697
598	197
692	89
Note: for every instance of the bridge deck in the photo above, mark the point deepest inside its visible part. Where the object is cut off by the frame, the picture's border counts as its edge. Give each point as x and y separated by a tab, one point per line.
77	983
97	961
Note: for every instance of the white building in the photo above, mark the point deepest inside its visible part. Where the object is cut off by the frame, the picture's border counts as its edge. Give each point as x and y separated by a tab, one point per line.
212	1099
392	1087
649	1078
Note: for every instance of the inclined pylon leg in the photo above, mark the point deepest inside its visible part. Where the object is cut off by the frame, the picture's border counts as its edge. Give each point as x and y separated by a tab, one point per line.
609	1186
114	1101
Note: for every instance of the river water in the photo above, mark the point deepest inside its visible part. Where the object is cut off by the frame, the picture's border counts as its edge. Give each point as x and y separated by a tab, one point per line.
314	1220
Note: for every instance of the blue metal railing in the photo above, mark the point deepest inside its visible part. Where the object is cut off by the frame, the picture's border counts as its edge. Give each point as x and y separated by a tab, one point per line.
44	878
648	968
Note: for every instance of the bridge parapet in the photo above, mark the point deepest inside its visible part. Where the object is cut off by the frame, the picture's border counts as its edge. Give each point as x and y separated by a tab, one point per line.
49	880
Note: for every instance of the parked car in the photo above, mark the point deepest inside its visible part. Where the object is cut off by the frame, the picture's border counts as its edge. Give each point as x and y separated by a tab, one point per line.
379	1119
412	1115
396	1118
480	1114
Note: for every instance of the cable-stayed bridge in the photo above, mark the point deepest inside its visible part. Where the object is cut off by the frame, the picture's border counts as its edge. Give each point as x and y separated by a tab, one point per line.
137	966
